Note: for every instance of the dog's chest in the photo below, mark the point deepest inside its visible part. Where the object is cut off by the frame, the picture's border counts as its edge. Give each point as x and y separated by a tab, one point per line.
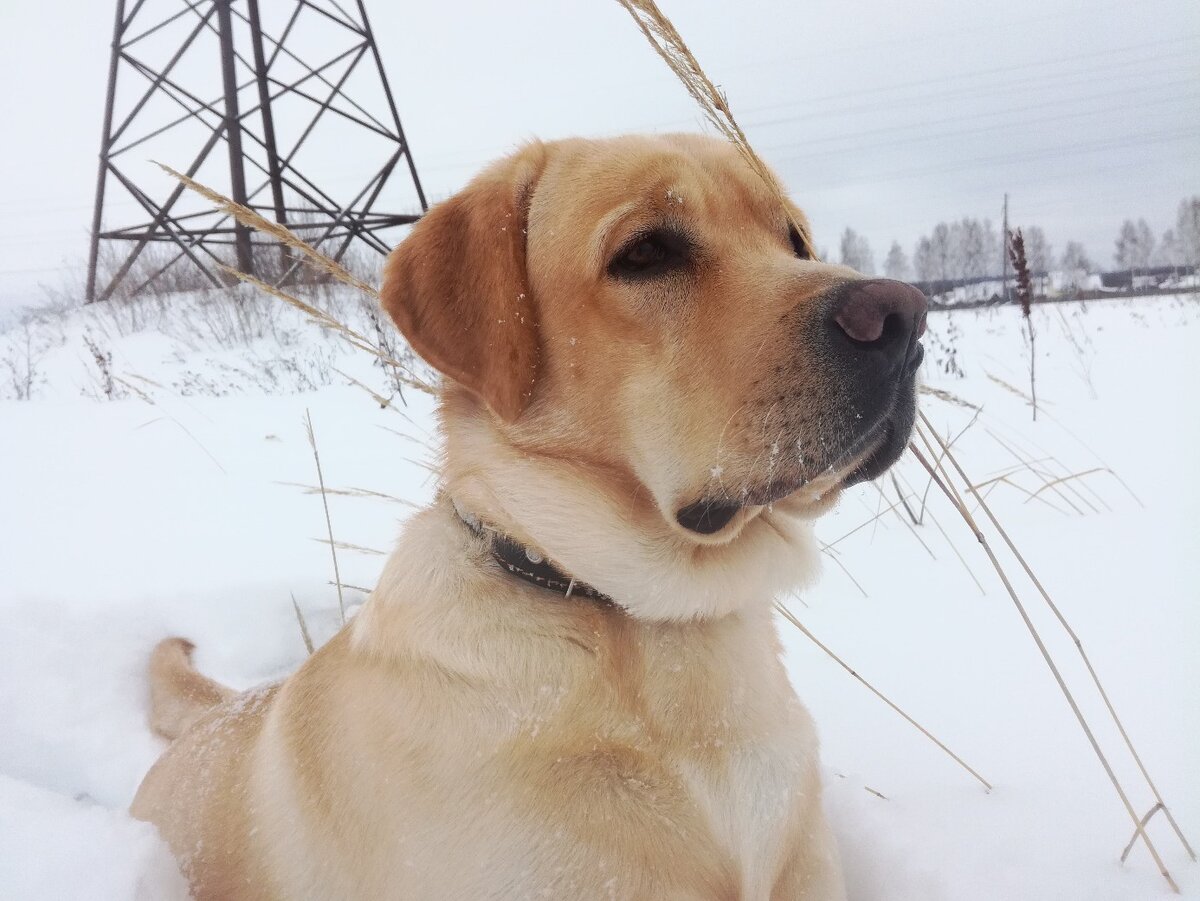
746	757
749	797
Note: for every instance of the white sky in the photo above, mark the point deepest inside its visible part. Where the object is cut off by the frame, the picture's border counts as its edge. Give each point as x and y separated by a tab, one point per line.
887	117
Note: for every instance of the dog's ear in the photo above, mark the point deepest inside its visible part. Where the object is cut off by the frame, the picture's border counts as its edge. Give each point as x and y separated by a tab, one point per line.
458	291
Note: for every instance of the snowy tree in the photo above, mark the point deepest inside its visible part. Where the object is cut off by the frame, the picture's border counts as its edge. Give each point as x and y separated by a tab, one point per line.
989	239
856	252
957	258
1187	230
1037	251
942	251
923	262
1146	242
1135	245
1075	264
896	265
1126	252
1075	258
973	252
1170	250
965	249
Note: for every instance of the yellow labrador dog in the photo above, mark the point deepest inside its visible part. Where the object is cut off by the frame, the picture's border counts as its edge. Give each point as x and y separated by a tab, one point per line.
567	683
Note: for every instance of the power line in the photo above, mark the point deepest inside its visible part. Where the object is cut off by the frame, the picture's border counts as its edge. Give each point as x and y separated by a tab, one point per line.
1105	56
929	37
973	95
470	157
1015	124
1022	157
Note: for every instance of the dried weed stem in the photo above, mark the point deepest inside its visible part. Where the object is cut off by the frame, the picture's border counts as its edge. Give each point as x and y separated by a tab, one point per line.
337	576
956	500
790	617
1062	620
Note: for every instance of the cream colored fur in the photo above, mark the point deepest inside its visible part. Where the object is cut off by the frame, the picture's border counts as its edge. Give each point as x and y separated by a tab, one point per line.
471	736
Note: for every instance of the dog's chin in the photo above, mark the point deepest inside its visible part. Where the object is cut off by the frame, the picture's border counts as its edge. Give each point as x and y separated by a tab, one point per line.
715	521
718	519
887	448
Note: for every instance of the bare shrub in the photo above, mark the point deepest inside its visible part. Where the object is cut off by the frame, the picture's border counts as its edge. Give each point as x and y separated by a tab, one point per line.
24	356
103	360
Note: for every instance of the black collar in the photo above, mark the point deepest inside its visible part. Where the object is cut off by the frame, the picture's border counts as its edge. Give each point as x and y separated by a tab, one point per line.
527	564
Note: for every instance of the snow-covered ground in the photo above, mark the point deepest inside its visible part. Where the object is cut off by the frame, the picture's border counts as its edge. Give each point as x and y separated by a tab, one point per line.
179	508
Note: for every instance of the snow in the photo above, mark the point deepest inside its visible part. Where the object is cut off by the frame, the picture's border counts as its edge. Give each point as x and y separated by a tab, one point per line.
174	509
56	847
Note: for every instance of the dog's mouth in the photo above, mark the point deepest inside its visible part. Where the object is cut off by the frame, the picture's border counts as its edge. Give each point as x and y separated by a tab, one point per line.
867	456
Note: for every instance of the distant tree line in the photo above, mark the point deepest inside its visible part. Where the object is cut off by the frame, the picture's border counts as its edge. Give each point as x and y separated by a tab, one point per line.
970	249
1136	247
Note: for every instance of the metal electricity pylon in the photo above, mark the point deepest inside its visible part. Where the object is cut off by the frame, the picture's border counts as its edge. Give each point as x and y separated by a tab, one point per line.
311	132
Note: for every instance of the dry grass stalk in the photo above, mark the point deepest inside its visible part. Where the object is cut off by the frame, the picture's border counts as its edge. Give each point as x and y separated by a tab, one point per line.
347	546
1141	828
1062	620
337	576
961	559
324	320
353	587
1016	252
1009	387
1001	474
1031	465
790	617
1081	355
920	520
308	642
314	258
1029	495
1051	462
879	514
349	492
938	458
1100	460
903	500
200	444
1053	483
955	498
283	235
833	555
669	45
1006	478
911	526
384	402
949	397
142	395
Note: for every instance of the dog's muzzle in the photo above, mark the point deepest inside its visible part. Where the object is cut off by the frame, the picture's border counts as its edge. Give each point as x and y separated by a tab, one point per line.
867	335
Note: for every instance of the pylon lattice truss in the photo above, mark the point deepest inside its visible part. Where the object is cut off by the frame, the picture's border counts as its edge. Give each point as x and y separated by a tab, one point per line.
310	132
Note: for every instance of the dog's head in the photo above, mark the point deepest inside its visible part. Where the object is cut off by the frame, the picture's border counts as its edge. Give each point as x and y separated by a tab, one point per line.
640	310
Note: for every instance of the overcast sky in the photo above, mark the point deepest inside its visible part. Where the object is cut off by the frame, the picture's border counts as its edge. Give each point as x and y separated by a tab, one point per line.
883	116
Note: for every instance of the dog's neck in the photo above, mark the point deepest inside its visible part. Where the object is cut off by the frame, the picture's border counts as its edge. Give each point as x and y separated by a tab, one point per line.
571	514
525	563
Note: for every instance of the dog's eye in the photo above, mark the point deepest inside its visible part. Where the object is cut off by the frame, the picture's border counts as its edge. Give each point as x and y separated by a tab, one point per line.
799	245
650	254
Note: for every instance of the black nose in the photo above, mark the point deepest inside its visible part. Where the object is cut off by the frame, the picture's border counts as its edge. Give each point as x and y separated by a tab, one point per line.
879	320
